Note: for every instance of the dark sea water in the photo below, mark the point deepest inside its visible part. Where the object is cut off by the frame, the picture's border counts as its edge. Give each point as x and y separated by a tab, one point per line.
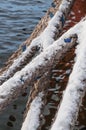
17	21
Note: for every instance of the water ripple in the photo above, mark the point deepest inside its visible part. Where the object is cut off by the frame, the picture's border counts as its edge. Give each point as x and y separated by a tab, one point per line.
17	21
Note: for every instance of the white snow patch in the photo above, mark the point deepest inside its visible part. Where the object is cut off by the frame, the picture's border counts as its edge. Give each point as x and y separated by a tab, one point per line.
32	119
72	13
74	17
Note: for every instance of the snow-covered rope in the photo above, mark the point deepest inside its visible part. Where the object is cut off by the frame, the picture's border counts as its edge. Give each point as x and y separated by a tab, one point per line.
42	63
46	38
76	88
32	120
35	104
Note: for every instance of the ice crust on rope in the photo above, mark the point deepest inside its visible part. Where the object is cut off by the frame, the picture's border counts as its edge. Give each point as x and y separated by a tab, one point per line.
26	73
76	88
32	121
45	39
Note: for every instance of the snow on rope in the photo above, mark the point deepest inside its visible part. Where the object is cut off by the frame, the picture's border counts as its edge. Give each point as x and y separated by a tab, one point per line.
33	115
32	120
46	38
76	88
37	67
